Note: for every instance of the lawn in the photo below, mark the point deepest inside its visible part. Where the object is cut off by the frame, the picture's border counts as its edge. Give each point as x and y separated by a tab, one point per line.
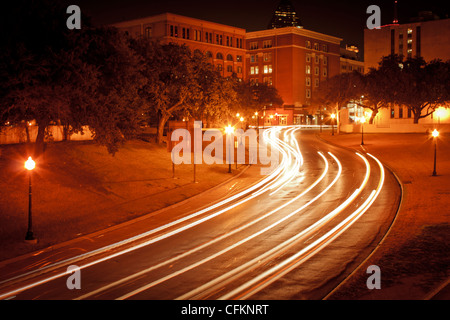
78	188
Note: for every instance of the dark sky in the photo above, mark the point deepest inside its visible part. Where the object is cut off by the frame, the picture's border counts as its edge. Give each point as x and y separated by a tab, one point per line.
344	19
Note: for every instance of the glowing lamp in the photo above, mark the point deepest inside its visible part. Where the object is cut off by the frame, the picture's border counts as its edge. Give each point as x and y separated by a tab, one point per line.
30	164
229	129
435	133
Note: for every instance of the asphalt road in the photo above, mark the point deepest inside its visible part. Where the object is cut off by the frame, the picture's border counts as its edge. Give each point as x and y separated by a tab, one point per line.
293	234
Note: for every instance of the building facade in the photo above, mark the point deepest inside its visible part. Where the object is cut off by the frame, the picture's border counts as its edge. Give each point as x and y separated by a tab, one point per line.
225	45
294	60
427	39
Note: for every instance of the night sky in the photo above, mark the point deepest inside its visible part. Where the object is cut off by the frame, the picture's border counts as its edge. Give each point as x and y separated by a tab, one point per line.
344	19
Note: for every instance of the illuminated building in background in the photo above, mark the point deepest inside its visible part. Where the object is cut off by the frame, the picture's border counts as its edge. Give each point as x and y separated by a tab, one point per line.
426	36
296	61
223	44
285	16
427	39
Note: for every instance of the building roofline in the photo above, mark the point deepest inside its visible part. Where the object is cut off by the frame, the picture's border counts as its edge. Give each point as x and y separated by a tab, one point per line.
295	30
167	16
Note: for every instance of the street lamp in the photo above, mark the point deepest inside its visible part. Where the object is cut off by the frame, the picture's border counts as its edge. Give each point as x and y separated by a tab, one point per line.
435	134
30	165
257	119
229	130
362	120
333	116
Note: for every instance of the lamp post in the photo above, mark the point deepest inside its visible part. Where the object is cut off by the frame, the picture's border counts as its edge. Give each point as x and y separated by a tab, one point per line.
30	165
435	134
229	130
257	119
333	116
362	120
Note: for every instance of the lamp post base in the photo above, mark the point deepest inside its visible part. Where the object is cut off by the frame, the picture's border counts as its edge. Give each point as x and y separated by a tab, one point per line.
29	238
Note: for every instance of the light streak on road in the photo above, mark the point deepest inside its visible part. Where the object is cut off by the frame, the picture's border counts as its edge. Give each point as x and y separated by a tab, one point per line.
262	185
264	279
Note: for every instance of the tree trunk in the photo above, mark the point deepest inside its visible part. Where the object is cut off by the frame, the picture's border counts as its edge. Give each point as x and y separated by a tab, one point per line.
40	144
416	117
373	115
27	131
161	124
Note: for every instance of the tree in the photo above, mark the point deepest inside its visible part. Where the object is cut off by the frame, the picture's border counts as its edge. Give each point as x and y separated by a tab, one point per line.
254	97
170	71
413	83
337	91
72	77
423	86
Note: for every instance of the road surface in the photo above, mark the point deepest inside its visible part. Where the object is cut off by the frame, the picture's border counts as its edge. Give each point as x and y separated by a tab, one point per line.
295	233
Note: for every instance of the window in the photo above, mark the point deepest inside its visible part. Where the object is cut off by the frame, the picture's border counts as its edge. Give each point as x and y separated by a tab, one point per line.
208	54
208	37
400	112
316	71
324	48
268	80
409	31
325	60
229	57
254	70
316	46
239	70
230	68
308	93
239	58
308	81
228	41
219	56
267	56
252	58
392	112
308	44
325	73
253	45
148	32
268	68
197	35
219	67
409	113
316	82
308	57
267	44
316	59
308	69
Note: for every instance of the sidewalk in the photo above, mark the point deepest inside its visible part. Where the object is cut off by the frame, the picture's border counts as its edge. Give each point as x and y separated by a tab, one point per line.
414	256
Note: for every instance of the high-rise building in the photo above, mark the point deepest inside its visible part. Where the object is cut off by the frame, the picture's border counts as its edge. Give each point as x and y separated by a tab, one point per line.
285	16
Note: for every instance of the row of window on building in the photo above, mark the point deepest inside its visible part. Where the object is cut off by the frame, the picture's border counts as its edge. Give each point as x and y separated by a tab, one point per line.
254	45
316	70
199	35
229	68
267	68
